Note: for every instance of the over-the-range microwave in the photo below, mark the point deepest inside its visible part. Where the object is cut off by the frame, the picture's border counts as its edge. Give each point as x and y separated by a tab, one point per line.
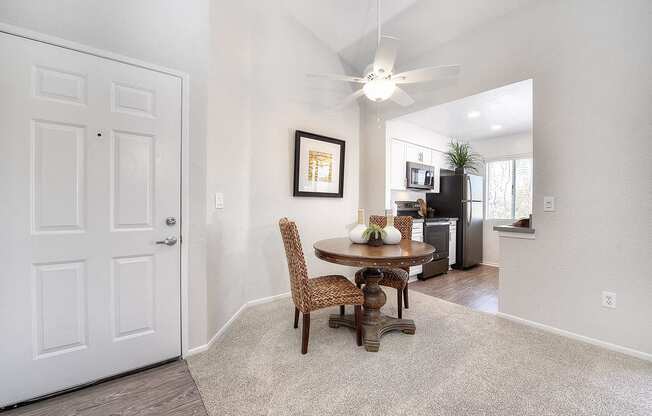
420	176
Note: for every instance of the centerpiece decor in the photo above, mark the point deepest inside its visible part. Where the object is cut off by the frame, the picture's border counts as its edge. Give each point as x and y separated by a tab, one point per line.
392	234
374	235
356	234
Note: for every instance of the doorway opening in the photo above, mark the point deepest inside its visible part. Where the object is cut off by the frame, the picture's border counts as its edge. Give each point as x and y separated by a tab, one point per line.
496	127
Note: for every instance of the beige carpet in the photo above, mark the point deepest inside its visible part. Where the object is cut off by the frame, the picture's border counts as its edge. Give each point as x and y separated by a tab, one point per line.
460	362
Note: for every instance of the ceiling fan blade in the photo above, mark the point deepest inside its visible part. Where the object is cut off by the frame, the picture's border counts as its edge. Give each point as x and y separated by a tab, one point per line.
338	77
385	55
350	98
401	97
427	74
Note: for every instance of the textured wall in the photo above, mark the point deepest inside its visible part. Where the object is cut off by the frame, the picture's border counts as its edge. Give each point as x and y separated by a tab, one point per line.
259	94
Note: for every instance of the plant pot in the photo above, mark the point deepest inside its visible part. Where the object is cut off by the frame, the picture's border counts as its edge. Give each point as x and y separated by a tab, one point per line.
460	171
375	242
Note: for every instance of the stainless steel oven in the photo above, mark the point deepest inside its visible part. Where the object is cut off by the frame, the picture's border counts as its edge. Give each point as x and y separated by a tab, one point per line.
420	176
436	232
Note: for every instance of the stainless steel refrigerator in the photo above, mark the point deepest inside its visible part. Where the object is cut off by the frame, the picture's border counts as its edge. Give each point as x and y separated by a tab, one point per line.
461	196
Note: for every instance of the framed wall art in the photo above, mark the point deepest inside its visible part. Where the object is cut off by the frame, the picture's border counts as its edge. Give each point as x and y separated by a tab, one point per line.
318	165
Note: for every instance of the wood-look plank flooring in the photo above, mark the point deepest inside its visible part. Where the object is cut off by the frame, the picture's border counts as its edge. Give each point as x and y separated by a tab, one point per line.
168	390
476	288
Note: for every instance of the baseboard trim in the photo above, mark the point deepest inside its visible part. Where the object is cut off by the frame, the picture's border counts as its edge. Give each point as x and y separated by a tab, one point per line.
227	324
607	345
490	264
267	299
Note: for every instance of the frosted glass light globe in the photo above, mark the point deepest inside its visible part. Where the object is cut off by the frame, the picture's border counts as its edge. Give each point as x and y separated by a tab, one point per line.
379	89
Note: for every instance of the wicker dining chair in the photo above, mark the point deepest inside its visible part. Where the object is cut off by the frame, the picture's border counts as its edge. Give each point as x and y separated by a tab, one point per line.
321	292
393	277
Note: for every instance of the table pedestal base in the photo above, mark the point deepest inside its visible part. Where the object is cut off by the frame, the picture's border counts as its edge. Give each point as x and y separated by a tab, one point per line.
371	333
374	323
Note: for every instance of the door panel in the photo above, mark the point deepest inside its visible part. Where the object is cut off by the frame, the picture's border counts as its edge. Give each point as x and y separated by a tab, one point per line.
472	234
132	180
477	191
60	317
133	281
89	170
58	173
397	168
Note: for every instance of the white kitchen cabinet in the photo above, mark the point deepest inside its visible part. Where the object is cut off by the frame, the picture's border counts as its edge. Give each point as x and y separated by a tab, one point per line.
402	152
436	180
419	154
417	235
397	165
452	244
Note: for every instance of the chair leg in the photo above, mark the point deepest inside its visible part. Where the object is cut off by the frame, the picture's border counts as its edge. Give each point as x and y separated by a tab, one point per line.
399	302
358	324
342	310
406	303
296	317
306	333
359	285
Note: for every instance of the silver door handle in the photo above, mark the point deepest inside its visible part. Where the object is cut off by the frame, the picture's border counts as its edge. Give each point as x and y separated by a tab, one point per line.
170	241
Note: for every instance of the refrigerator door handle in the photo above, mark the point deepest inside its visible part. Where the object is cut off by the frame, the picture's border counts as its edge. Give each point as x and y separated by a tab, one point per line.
469	213
470	196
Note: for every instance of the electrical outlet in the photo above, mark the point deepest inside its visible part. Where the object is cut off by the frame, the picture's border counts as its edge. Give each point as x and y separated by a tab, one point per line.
549	203
609	300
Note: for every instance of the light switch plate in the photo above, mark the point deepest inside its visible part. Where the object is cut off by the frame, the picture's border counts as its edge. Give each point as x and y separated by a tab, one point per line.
219	200
548	203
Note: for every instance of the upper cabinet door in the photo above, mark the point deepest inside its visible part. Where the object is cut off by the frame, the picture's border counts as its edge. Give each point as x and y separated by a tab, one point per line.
397	165
414	153
427	156
436	179
418	154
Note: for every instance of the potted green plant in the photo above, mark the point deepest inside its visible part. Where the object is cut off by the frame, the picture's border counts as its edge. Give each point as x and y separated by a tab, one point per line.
374	234
462	158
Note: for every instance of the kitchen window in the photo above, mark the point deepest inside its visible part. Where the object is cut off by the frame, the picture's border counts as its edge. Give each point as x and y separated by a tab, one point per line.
509	188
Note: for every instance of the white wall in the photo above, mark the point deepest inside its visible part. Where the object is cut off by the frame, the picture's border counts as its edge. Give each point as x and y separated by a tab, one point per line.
513	145
164	32
590	62
411	133
258	95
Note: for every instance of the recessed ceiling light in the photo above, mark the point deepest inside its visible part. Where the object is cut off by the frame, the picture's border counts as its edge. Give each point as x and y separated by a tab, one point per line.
473	114
496	127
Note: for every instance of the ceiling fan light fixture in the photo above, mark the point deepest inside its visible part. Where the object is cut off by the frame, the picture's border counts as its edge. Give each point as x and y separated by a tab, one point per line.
379	89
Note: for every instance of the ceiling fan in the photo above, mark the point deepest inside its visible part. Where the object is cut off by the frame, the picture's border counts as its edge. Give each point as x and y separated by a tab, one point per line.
379	80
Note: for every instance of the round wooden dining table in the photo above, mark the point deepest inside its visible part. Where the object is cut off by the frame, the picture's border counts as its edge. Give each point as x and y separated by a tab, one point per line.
373	259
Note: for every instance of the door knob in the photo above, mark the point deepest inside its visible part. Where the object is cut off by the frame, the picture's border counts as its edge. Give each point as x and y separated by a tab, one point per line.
170	241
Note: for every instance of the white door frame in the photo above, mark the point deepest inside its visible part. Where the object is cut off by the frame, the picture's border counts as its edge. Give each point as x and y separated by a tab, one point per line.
185	141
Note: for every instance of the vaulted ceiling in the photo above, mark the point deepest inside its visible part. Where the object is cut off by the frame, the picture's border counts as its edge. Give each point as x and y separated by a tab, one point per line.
348	27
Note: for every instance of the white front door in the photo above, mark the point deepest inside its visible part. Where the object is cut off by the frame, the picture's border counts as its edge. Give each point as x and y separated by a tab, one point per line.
89	173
